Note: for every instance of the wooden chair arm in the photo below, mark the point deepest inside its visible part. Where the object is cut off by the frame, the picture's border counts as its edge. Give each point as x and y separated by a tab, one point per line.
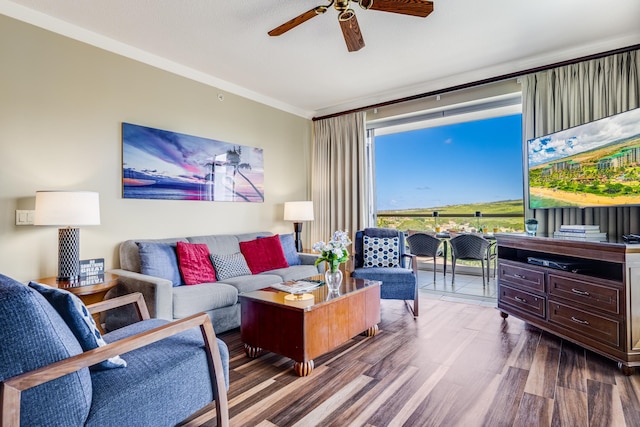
12	388
414	262
133	298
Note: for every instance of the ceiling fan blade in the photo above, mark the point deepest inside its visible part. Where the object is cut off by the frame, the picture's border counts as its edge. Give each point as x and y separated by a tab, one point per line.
421	8
352	34
292	23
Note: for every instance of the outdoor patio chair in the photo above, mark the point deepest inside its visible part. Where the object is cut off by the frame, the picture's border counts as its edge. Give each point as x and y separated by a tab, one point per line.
425	245
472	247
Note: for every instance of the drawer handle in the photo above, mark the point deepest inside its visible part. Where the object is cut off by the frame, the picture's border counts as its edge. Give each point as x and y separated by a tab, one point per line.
582	322
520	299
519	276
579	292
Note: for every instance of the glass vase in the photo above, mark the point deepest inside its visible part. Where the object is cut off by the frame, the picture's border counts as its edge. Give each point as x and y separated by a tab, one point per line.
333	279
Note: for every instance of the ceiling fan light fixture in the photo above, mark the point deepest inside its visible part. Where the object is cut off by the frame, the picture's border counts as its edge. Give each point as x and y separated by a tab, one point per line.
365	4
346	15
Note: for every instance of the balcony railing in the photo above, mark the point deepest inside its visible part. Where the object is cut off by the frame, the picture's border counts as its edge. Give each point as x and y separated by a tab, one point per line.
474	222
461	222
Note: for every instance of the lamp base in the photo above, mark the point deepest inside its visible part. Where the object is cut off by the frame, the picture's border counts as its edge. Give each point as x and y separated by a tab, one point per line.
297	229
68	253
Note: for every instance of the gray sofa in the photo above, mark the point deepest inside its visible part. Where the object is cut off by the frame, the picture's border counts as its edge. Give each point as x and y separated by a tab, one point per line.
219	299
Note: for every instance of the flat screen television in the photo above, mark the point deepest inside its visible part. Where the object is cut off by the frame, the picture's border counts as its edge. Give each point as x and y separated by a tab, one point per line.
590	165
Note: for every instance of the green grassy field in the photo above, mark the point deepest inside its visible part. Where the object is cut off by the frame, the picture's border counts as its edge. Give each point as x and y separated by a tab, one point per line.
399	220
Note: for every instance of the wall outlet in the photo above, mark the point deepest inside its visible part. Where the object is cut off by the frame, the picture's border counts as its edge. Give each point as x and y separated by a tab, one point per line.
24	217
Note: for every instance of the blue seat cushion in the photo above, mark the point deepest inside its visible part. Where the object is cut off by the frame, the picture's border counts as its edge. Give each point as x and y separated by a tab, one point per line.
170	376
397	283
34	335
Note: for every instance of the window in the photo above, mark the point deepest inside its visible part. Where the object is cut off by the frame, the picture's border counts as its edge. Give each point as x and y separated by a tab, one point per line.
456	170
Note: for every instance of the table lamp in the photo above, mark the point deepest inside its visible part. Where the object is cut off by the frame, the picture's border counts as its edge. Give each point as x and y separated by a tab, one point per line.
298	212
68	209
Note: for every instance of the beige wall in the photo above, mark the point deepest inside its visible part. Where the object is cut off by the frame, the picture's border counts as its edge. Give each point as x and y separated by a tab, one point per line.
61	107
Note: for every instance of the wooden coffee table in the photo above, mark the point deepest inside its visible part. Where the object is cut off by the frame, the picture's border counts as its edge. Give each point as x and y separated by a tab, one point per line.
307	327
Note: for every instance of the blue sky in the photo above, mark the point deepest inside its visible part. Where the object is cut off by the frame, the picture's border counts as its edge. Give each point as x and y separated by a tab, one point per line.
584	138
470	162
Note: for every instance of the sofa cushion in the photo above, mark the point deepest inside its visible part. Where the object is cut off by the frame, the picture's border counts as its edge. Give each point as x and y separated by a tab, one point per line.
194	263
264	254
253	282
397	283
80	322
179	386
34	335
160	260
381	251
188	300
218	243
295	272
230	265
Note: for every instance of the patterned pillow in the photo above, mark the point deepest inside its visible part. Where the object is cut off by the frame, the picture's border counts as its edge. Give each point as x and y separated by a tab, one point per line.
381	251
79	320
230	265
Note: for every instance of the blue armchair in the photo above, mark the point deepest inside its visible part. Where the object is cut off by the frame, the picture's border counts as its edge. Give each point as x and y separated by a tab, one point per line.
173	368
379	254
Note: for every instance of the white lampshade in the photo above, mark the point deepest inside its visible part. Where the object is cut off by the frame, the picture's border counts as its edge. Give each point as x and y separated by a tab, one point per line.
298	211
67	208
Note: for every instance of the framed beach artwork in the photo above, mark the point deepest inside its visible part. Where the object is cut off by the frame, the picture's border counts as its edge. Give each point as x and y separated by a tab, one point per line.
160	164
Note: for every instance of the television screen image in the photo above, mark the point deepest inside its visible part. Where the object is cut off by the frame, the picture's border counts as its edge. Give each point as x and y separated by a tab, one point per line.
590	165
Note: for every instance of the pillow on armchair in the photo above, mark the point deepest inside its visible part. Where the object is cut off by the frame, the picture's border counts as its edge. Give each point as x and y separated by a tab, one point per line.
381	251
80	322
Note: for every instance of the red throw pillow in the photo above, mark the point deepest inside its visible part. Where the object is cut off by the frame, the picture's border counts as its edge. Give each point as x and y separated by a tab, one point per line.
194	263
264	254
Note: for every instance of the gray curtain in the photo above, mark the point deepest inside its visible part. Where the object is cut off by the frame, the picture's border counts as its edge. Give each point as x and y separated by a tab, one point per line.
568	96
339	176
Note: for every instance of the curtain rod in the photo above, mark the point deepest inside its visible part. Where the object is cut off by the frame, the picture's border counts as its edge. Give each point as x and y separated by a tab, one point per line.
484	81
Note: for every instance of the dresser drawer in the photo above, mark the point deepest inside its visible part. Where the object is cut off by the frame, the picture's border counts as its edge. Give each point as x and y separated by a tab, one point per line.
589	325
525	301
521	276
594	295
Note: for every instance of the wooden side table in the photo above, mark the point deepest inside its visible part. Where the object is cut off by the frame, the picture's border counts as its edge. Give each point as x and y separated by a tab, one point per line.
93	291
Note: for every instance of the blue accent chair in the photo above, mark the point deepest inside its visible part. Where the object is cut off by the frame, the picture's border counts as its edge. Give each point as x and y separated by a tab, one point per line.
173	368
397	282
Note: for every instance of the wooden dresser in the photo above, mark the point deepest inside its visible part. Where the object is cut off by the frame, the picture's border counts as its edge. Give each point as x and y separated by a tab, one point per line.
595	302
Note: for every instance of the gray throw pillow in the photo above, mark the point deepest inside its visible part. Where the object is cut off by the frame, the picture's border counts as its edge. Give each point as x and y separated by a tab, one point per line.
230	265
160	260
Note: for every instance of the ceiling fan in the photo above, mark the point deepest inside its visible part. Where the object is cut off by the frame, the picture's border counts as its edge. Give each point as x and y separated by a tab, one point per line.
349	22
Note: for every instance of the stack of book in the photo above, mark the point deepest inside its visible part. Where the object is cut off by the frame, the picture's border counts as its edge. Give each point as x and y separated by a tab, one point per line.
581	232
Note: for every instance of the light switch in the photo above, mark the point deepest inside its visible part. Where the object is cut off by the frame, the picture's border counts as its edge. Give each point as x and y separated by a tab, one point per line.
24	217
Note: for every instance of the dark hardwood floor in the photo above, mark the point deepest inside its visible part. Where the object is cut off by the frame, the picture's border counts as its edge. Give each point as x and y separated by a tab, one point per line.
458	364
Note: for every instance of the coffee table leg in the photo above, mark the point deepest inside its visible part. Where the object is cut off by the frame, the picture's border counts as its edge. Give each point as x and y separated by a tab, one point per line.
372	331
303	368
251	351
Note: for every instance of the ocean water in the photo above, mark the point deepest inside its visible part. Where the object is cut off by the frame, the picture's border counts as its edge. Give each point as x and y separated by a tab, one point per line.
151	192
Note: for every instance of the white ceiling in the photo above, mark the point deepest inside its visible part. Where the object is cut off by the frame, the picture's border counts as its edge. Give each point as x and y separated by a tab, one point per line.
309	72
